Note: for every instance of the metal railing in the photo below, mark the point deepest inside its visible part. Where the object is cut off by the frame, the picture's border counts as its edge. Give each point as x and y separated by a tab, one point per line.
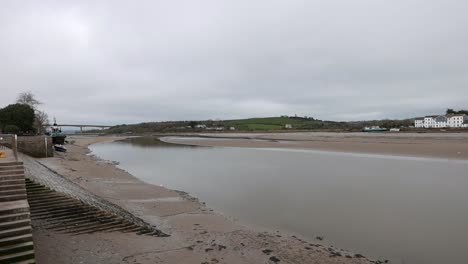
10	141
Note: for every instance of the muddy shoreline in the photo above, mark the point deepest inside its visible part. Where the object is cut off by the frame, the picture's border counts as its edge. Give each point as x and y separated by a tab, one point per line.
197	233
446	146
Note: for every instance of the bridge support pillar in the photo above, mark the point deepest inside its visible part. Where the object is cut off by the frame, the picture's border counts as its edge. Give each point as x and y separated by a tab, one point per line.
81	129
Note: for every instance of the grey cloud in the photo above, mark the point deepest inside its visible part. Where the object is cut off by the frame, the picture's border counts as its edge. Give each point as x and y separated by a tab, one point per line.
120	61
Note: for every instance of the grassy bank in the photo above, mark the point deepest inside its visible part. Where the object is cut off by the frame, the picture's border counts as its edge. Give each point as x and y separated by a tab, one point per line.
283	123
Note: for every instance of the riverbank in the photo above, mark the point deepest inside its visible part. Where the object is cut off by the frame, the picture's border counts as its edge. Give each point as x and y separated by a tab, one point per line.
449	146
197	233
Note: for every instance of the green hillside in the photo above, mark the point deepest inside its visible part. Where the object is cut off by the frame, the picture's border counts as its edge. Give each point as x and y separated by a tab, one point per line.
255	124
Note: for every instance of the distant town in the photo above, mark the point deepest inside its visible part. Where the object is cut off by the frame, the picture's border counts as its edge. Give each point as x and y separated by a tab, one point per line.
442	121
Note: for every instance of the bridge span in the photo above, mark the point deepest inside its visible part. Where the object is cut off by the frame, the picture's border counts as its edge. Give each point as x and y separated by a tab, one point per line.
80	126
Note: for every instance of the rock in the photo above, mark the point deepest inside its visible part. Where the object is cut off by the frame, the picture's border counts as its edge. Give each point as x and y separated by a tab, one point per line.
274	259
221	247
267	251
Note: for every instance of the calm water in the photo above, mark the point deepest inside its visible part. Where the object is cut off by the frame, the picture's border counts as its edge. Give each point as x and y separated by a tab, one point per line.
408	210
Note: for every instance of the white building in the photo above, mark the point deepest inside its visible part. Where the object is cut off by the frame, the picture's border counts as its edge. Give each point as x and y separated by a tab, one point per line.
419	122
442	121
456	120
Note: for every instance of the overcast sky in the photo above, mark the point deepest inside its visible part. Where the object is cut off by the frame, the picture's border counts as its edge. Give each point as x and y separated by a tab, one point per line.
112	62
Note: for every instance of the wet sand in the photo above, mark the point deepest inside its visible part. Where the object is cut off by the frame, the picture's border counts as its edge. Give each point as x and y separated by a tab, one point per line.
450	146
197	233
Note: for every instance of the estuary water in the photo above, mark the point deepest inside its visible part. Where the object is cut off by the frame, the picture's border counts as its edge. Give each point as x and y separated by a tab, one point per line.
408	210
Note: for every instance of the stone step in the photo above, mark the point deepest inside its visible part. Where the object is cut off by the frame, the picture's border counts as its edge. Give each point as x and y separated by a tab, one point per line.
12	192
11	177
35	186
15	240
16	257
12	167
46	201
14	224
31	261
11	172
14	207
14	217
12	182
12	187
16	248
15	232
16	197
36	189
41	196
11	163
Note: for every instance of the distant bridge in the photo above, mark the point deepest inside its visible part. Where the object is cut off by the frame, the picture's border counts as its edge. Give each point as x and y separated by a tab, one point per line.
80	126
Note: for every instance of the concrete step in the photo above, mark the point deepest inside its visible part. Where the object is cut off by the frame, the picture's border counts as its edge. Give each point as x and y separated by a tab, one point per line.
12	187
13	167
14	224
12	192
40	197
36	188
31	261
14	207
11	163
15	232
47	201
16	257
11	177
15	240
11	172
16	248
16	197
14	217
12	182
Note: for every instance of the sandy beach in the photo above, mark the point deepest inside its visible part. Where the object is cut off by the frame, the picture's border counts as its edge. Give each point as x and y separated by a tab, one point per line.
197	233
448	145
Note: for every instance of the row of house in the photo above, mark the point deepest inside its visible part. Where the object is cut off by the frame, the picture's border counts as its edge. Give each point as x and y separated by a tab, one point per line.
442	121
212	128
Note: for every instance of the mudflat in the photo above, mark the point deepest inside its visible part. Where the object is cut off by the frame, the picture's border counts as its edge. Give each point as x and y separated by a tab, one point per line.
436	145
197	233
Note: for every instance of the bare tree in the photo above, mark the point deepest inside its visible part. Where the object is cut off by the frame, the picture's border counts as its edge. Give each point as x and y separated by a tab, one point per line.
41	118
29	99
40	121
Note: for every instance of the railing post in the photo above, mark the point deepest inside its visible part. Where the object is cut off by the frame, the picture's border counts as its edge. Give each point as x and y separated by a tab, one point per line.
14	146
45	143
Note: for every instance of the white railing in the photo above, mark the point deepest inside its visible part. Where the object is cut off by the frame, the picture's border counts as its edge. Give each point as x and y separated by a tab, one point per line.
9	141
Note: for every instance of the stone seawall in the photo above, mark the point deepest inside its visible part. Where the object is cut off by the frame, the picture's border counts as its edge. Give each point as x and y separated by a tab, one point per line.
36	146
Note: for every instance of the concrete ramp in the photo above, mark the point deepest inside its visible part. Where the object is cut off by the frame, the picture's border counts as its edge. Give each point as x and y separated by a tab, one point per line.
16	241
